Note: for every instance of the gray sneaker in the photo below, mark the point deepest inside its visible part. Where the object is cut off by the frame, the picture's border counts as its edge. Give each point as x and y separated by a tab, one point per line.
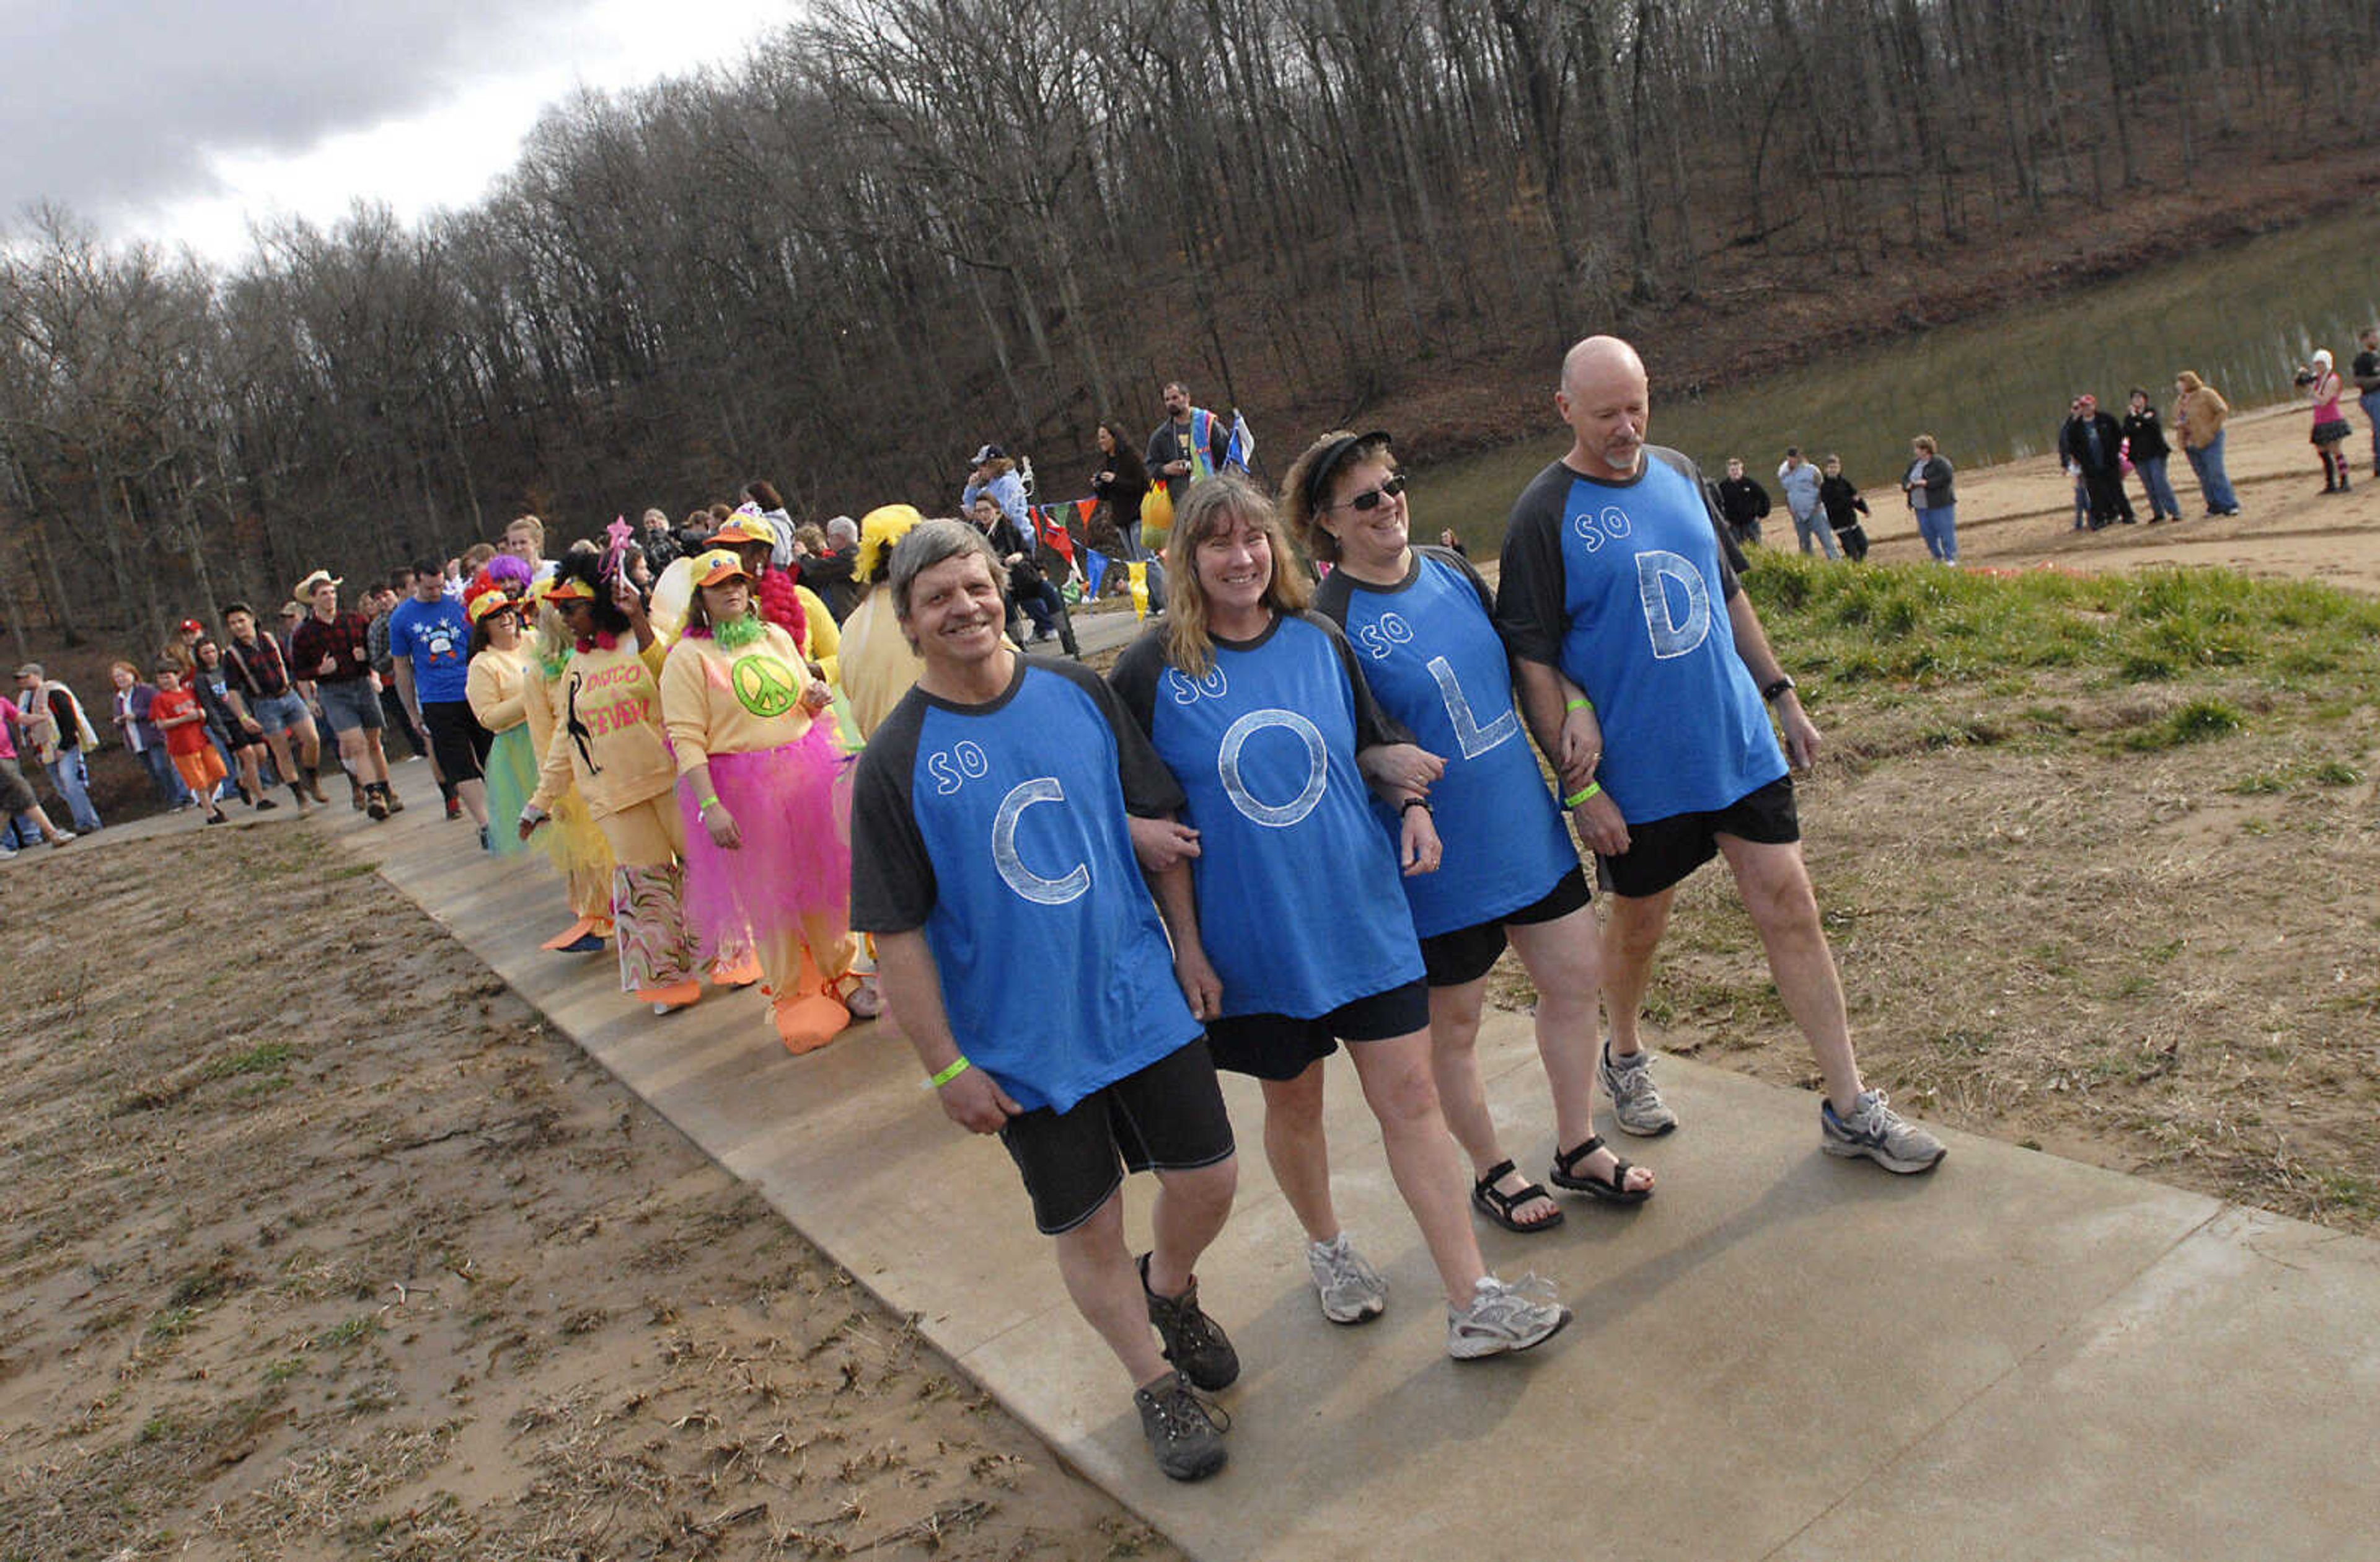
1504	1318
1180	1429
1352	1290
1878	1132
1636	1104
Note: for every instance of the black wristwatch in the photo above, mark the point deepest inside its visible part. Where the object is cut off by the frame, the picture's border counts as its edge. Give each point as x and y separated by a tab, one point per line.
1784	681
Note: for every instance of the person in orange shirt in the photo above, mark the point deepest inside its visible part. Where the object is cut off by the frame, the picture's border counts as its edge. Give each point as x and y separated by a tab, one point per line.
761	785
174	711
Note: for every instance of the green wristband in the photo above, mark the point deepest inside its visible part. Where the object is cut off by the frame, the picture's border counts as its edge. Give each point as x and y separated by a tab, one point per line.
1592	790
953	1072
1581	703
704	805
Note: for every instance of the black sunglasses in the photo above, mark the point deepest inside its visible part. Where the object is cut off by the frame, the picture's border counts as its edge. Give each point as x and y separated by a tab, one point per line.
1372	498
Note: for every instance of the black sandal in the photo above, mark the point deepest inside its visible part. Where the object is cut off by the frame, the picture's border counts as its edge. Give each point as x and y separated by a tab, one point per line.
1613	1191
1497	1205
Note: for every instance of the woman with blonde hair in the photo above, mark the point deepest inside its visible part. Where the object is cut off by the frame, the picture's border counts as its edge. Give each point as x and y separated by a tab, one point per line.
2323	386
2199	411
1257	707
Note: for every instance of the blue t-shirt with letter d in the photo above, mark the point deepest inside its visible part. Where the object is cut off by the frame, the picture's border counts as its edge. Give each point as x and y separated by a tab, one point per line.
1623	586
1001	831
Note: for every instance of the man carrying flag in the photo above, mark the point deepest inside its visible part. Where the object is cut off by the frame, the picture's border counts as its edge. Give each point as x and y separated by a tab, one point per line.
1191	444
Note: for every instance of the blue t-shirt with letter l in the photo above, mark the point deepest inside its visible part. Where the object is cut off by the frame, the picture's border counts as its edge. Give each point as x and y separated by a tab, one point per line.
1001	831
1428	648
1622	585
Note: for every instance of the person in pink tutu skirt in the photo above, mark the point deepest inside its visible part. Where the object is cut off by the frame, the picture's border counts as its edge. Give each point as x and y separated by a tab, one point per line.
766	797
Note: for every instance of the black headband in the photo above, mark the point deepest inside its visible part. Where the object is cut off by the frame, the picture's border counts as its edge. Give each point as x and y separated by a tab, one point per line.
1317	477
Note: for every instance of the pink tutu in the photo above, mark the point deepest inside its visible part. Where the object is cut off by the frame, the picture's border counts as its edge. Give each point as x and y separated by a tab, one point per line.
792	805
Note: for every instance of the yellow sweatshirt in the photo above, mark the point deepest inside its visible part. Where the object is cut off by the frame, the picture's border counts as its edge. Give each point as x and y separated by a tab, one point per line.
877	664
822	642
609	736
715	702
494	686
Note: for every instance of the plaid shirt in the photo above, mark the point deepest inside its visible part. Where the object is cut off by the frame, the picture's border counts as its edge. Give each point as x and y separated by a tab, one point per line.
345	642
258	671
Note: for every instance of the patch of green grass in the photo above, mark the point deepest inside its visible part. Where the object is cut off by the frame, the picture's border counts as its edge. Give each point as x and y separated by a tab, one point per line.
2263	784
255	1060
1903	623
173	1322
2347	1190
2336	772
282	1370
340	1337
354	871
2201	720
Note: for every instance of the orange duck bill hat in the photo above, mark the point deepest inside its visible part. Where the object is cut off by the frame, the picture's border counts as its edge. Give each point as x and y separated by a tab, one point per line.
719	566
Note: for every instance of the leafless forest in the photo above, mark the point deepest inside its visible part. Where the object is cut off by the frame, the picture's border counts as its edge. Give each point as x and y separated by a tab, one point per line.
907	226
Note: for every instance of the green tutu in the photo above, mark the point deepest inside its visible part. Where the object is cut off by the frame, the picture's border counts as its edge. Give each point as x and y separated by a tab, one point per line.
512	777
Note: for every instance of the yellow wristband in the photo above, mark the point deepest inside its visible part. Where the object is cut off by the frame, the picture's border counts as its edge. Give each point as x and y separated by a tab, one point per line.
953	1072
1581	703
1592	790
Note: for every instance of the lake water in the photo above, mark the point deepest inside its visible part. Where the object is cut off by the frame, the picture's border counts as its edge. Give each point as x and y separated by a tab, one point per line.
1994	389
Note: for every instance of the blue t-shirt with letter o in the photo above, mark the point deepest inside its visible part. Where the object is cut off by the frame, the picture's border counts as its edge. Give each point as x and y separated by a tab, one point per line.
1001	831
1299	906
1430	649
436	638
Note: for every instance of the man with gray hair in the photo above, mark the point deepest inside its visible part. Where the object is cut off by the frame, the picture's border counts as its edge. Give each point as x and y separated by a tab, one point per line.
831	574
957	865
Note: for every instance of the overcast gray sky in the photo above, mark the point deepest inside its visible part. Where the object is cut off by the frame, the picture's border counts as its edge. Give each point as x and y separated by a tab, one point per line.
177	122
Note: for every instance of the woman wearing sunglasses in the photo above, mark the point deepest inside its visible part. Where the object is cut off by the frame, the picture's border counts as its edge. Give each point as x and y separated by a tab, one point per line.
1256	707
1421	622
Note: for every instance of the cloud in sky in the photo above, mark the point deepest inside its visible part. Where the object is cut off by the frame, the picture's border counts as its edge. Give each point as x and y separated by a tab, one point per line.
178	122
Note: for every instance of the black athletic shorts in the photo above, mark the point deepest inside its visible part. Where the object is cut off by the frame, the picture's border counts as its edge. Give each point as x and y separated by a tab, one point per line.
1663	851
1169	1117
457	738
1462	957
1280	1046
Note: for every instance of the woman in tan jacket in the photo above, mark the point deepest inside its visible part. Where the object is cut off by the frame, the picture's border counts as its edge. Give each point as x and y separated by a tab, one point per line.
2198	413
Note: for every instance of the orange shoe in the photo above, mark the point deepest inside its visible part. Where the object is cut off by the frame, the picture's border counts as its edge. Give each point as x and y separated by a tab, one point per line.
807	1022
741	971
569	935
670	999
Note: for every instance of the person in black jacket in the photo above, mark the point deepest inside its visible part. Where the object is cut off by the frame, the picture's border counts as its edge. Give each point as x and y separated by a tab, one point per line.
2092	442
2145	445
1743	501
1843	506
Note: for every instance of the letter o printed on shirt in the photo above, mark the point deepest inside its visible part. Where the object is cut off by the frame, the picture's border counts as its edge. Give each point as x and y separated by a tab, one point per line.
1277	816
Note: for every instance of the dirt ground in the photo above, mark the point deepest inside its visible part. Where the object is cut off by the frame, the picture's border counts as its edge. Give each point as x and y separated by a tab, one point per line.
317	1243
349	1256
2020	515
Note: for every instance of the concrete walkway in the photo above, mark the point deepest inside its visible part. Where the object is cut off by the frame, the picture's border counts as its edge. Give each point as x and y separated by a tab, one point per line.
1780	1356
